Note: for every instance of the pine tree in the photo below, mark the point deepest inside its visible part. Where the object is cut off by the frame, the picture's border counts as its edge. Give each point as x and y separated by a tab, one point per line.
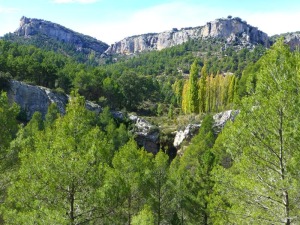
160	196
262	185
127	184
8	131
192	176
59	171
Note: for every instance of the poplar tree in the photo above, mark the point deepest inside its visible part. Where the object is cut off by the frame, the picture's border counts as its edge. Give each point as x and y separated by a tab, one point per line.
185	98
194	88
202	89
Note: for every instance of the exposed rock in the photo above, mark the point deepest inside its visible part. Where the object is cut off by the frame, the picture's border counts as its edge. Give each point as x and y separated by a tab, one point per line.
222	117
230	29
293	40
191	130
37	99
33	27
146	134
186	134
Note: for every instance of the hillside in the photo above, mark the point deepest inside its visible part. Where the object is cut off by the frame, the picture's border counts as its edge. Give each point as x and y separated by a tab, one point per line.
52	36
85	167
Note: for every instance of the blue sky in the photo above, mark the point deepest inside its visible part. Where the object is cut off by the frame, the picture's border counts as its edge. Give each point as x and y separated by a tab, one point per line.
113	20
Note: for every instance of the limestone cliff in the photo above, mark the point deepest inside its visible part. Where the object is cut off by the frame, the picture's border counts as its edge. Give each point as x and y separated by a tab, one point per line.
33	27
37	99
292	39
232	30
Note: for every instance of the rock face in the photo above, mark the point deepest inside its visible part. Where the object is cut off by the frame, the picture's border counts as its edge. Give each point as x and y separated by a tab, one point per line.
32	27
146	134
222	117
192	129
35	98
186	134
292	39
233	30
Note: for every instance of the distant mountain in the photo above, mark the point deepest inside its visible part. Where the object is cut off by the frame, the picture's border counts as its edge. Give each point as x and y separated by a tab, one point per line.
233	31
52	36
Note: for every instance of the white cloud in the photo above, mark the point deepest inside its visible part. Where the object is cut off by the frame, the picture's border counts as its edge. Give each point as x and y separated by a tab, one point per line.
74	1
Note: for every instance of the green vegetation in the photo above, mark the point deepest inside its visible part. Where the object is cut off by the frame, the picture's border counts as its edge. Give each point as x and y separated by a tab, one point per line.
138	83
83	168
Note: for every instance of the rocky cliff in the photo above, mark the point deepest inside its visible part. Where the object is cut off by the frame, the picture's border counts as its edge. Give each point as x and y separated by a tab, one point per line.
292	39
232	30
33	99
33	27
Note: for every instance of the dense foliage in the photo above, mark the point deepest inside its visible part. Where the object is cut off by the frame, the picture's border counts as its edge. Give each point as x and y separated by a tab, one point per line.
83	168
138	83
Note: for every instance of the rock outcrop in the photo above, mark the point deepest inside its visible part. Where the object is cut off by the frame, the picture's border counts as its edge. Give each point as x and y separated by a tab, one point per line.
33	27
222	117
36	98
191	130
232	30
186	134
146	134
291	39
33	99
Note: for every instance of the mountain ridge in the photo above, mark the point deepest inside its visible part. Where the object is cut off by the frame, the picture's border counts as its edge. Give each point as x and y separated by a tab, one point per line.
29	27
233	30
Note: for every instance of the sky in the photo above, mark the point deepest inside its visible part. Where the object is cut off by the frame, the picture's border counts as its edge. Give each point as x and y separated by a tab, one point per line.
113	20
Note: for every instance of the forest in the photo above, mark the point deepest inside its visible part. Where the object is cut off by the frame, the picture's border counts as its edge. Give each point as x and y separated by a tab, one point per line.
83	168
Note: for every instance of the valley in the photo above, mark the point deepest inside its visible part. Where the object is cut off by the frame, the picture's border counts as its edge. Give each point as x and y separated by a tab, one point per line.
195	125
